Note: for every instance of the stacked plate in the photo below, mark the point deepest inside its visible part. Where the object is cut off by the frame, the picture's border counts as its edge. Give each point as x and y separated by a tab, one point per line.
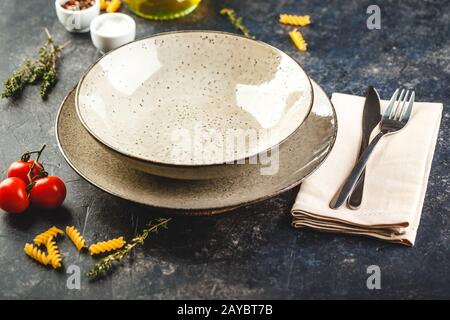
201	122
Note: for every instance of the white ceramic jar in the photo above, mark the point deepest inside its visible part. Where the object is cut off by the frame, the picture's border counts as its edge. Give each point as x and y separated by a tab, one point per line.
76	21
112	30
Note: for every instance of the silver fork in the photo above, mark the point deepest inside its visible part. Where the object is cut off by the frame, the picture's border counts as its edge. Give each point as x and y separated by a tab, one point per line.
393	120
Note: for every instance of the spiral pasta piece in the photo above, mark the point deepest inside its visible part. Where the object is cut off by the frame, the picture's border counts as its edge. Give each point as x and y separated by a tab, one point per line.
76	237
106	246
36	254
113	6
103	4
53	254
295	20
298	40
53	232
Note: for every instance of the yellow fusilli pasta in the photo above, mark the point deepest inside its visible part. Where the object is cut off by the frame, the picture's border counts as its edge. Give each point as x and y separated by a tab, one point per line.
53	253
294	20
113	6
36	254
76	237
103	4
53	232
298	40
106	246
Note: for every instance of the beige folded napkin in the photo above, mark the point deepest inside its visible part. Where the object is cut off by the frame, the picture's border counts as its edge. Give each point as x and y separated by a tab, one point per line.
396	176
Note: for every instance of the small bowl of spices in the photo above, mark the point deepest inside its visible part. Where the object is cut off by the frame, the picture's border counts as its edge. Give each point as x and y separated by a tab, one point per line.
77	15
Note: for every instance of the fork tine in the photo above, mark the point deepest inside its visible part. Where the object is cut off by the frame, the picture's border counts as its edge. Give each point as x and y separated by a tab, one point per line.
401	108
391	104
407	114
397	105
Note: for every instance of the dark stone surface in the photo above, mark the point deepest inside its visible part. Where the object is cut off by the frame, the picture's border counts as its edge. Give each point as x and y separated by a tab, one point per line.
252	252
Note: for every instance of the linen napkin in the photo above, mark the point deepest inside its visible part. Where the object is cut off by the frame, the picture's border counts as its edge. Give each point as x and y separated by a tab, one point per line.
395	182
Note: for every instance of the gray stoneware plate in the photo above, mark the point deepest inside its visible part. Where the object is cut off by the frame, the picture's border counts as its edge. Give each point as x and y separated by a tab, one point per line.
174	104
299	156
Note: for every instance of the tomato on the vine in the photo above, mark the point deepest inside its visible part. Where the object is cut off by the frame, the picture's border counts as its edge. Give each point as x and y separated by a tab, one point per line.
20	169
13	195
48	192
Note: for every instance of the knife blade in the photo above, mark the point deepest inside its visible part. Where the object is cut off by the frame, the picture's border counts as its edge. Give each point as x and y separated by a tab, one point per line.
371	118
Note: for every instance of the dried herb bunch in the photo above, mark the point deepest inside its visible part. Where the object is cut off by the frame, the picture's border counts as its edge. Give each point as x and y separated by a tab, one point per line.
105	265
41	69
236	22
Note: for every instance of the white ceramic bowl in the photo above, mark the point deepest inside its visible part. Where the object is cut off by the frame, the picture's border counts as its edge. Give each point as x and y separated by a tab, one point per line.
106	38
76	21
181	104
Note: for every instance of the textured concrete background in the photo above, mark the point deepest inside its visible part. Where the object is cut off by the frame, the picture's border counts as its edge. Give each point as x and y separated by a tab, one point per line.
252	252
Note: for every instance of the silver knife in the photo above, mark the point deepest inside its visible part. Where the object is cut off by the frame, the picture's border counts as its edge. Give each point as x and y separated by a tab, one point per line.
371	118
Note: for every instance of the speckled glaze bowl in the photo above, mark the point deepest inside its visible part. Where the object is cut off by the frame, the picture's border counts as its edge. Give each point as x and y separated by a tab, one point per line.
176	104
299	156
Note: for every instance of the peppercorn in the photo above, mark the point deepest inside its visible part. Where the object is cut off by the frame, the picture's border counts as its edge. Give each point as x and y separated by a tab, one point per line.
77	5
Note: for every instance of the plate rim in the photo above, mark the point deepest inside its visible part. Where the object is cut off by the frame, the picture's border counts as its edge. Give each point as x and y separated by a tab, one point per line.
172	165
195	211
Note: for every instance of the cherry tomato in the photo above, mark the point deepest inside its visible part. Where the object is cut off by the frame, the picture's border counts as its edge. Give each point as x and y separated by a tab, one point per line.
13	195
21	168
48	192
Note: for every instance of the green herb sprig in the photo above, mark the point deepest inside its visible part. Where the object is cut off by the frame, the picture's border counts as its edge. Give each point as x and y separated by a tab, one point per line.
236	21
106	265
41	69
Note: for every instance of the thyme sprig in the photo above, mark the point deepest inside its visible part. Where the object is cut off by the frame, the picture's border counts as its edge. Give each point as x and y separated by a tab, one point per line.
106	265
41	69
236	21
